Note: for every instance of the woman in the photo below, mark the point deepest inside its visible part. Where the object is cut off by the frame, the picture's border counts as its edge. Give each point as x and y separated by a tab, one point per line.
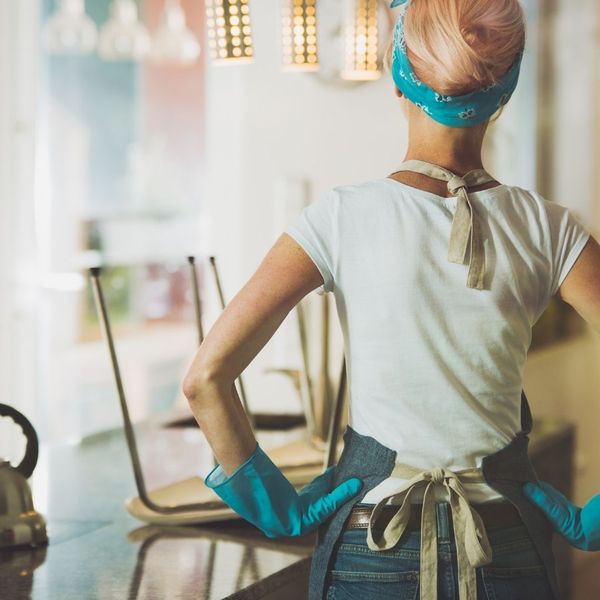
439	272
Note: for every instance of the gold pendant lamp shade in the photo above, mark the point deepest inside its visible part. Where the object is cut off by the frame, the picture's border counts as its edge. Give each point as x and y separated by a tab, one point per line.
229	31
299	35
361	40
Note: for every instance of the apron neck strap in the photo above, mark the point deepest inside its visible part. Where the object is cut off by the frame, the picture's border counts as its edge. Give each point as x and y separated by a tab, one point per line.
472	178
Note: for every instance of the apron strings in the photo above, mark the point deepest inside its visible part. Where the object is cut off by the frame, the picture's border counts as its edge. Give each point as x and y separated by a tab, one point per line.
466	229
472	545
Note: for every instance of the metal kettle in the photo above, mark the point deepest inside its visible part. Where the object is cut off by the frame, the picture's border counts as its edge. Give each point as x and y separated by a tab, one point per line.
20	524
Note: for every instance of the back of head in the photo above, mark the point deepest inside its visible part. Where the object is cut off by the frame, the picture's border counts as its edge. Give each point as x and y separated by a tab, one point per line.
457	46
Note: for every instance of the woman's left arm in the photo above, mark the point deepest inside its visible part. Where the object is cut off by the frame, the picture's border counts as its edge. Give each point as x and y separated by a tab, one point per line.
579	526
283	278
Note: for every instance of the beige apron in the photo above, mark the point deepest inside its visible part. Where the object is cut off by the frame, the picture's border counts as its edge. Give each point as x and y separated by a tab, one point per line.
472	545
465	226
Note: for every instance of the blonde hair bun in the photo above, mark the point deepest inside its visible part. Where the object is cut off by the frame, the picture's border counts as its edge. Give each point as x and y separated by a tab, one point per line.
457	46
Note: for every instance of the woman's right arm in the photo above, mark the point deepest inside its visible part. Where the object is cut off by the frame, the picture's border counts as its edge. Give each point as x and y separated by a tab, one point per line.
581	287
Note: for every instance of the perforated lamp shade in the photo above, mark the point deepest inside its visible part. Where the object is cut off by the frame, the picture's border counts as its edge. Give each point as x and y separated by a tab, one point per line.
299	35
229	31
361	40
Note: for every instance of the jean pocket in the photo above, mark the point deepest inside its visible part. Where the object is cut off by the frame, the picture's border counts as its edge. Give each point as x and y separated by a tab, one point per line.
359	585
510	583
359	573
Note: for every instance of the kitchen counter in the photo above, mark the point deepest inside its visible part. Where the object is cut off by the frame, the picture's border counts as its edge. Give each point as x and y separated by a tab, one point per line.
96	550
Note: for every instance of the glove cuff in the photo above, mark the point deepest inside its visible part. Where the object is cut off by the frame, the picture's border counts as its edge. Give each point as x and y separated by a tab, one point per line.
217	476
259	492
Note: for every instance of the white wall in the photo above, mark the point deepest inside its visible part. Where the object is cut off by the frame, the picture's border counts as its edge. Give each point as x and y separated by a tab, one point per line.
510	148
576	146
19	360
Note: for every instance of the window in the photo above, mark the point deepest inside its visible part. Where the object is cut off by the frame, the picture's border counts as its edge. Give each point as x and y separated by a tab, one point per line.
120	158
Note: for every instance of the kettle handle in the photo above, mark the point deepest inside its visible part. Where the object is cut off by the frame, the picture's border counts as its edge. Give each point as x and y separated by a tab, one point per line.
27	465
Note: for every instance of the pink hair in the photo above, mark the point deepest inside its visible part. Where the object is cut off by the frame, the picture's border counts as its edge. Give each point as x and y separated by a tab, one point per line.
456	46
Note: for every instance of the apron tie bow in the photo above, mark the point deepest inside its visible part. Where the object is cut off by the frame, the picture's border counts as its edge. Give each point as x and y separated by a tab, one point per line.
437	475
472	545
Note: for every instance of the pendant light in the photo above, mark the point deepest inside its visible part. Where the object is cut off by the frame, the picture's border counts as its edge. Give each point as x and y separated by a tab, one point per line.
173	42
299	35
123	37
361	40
229	31
69	30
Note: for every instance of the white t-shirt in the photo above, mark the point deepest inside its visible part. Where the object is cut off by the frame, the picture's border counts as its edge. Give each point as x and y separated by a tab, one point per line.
435	368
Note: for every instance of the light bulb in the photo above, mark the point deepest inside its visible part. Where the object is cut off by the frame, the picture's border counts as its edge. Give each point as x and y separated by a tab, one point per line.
69	30
123	37
173	42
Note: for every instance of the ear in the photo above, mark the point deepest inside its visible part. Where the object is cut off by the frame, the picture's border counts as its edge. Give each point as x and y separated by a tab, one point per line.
398	92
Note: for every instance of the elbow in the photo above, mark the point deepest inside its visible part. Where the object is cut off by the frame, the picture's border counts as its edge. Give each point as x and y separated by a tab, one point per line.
198	383
190	388
194	384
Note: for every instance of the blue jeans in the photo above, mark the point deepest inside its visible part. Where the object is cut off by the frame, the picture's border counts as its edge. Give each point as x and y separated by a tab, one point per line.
358	573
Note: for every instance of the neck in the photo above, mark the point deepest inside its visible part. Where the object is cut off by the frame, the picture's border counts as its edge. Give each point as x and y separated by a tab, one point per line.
456	149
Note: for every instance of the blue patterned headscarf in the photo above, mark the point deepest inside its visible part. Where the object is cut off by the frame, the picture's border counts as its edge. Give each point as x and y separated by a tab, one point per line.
455	111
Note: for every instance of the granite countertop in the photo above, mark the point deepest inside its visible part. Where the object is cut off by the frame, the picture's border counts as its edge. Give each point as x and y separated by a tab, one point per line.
97	550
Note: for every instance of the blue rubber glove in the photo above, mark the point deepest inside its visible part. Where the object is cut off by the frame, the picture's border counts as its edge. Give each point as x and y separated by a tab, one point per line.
259	492
580	526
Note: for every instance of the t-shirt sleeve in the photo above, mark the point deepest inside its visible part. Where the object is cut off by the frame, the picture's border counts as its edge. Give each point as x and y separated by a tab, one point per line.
568	236
315	229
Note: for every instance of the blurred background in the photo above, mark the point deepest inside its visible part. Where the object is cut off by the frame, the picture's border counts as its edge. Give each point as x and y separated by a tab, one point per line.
136	133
